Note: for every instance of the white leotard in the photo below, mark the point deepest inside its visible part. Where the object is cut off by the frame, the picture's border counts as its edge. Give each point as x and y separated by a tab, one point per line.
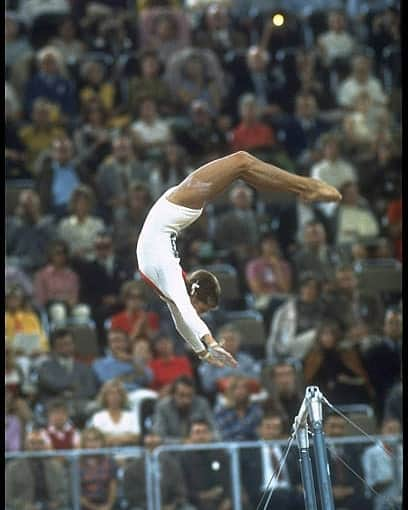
159	263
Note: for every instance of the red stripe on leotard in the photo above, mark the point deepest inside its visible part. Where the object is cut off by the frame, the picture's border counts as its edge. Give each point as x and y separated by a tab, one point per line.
154	287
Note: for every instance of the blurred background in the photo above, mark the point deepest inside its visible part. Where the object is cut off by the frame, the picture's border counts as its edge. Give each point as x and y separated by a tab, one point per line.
108	104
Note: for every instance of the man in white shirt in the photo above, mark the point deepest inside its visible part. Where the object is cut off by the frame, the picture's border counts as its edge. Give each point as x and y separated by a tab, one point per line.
336	42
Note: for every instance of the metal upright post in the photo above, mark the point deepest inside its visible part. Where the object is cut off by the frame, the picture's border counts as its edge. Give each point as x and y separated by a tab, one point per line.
306	468
314	405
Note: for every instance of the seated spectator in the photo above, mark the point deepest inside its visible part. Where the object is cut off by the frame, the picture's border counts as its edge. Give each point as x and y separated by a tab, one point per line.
16	277
79	230
337	43
14	426
28	232
151	131
126	228
339	373
383	359
18	50
173	489
314	253
294	323
15	150
67	41
56	281
269	274
251	133
260	464
347	489
195	73
116	174
134	320
215	379
237	229
38	135
394	216
344	302
174	413
150	83
393	403
238	418
59	432
166	365
63	377
97	473
57	175
353	219
382	465
119	426
36	481
360	80
23	328
118	363
49	82
93	136
207	488
18	389
332	169
164	30
96	83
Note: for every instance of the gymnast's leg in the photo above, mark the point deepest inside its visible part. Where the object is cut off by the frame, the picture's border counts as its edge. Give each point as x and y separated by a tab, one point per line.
205	183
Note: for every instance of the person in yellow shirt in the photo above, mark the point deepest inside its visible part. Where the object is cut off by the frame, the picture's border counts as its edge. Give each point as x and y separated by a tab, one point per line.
20	320
39	134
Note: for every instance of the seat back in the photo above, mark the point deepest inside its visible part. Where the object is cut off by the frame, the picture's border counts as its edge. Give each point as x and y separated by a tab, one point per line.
250	323
380	276
86	341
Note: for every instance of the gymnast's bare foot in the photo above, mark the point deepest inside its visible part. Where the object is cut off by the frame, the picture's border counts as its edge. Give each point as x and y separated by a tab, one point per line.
319	191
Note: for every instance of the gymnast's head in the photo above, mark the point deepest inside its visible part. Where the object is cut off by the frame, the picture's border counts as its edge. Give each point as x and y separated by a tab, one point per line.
204	289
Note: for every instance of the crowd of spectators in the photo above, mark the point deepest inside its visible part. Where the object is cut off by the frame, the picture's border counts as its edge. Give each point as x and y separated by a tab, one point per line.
108	104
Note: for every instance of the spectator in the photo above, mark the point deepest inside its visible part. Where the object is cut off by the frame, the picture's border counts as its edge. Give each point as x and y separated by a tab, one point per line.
347	490
294	323
119	426
118	363
96	84
285	390
79	230
314	253
151	131
344	302
382	464
393	403
149	84
337	43
175	412
173	488
29	232
394	216
63	377
215	379
49	82
56	281
206	471
383	359
237	229
361	80
15	151
135	320
97	473
260	464
67	41
166	365
238	418
338	373
36	481
269	274
17	388
116	174
38	135
14	427
17	277
126	229
57	175
59	432
354	219
251	133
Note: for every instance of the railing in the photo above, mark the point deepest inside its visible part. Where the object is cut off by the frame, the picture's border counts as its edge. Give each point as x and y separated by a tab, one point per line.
153	461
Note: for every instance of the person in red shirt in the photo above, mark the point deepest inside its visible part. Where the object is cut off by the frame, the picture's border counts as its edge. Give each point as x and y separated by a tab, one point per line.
394	215
134	320
251	133
59	433
166	365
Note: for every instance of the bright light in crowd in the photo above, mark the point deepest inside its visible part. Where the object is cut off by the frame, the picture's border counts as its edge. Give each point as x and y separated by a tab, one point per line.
278	20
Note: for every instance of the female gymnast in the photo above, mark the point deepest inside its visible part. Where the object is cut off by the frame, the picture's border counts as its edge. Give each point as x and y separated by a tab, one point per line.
159	263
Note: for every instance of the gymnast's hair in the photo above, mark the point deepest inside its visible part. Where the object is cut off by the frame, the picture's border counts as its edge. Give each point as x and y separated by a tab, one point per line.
205	286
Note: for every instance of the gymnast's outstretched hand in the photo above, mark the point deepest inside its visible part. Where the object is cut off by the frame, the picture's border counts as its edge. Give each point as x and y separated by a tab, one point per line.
216	355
